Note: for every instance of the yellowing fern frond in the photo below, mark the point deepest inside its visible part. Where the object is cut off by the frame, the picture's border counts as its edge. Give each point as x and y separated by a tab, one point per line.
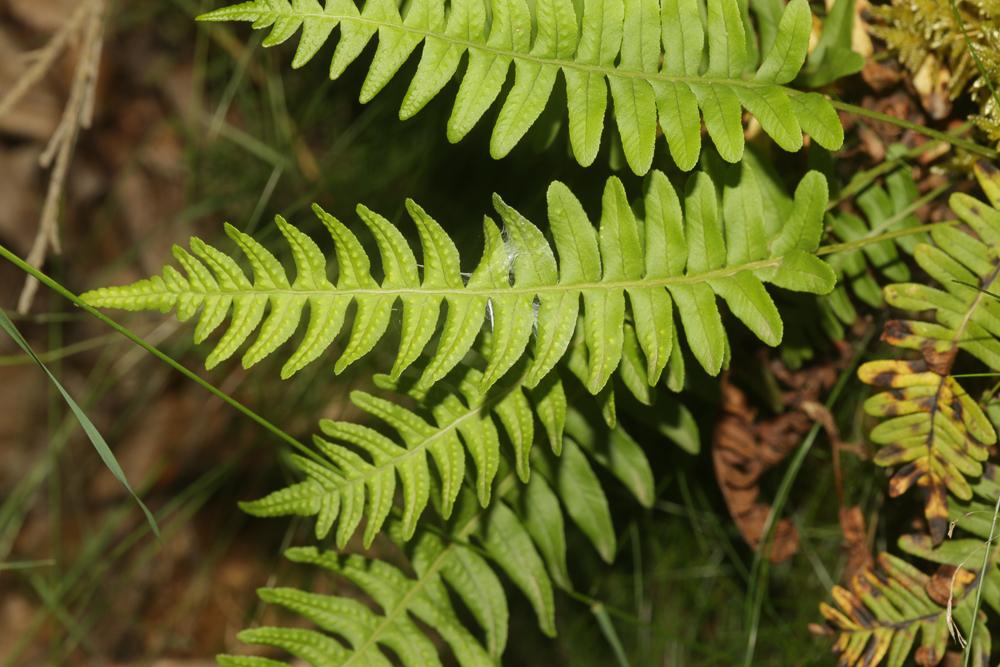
716	246
880	615
934	431
650	53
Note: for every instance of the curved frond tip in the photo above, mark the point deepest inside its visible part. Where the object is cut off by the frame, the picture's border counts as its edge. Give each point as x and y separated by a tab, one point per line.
692	249
664	64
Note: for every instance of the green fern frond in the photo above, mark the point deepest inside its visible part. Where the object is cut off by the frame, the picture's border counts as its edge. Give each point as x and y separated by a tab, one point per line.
676	60
885	209
933	430
880	616
359	480
717	246
522	535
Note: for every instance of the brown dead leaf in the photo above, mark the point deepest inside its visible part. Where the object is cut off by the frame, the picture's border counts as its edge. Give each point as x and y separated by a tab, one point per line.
37	114
949	583
852	525
21	196
744	446
741	458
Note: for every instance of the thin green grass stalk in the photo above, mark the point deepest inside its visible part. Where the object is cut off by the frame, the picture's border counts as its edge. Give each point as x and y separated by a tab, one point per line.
162	356
16	565
610	634
95	437
89	614
55	410
760	569
863	179
100	555
58	353
979	587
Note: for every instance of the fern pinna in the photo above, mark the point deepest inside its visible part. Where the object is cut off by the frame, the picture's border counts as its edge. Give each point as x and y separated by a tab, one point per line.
716	246
675	61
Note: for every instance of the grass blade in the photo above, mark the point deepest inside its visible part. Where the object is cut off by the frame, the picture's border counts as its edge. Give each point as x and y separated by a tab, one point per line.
96	439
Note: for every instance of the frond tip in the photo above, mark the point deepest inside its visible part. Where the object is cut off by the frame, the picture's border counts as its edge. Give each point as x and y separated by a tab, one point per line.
650	53
720	244
357	477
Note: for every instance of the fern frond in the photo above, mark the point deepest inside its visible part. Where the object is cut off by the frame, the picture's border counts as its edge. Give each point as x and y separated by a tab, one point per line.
522	534
359	480
717	246
880	616
676	60
885	209
933	430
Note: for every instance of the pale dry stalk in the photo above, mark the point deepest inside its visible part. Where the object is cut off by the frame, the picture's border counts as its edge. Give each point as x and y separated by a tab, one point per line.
78	114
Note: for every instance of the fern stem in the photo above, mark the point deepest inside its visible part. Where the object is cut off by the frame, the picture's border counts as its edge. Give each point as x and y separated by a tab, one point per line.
162	356
857	244
958	142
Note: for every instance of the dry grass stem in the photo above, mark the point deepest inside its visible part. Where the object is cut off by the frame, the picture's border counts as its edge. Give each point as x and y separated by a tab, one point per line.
78	114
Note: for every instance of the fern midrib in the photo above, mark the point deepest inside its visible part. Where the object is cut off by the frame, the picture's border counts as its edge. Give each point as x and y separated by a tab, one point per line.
607	71
893	625
488	292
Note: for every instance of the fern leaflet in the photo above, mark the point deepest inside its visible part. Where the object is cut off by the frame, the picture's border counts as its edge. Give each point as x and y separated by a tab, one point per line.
461	420
358	480
650	53
714	247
